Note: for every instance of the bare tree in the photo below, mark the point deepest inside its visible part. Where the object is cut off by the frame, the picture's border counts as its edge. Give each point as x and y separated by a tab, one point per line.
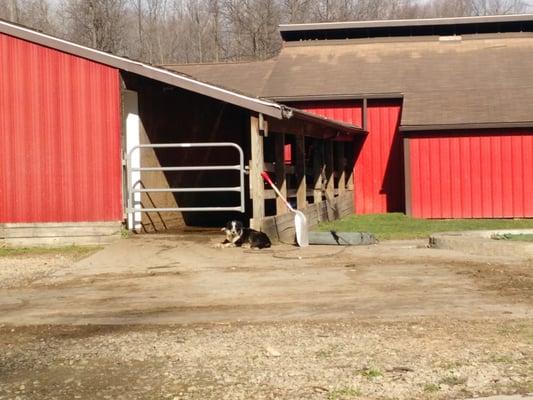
13	9
450	8
163	31
34	13
296	11
215	12
252	24
492	7
96	23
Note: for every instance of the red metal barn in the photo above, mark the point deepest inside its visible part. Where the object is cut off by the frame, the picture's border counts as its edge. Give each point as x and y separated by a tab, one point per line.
378	169
60	154
472	174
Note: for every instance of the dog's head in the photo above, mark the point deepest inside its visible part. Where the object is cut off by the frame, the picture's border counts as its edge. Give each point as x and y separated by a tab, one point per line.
233	229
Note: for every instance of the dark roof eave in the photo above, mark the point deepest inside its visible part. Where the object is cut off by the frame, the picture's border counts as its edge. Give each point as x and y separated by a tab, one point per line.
404	23
332	97
343	127
406	129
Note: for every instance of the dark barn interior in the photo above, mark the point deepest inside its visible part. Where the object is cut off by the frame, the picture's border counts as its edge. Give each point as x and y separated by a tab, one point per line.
309	158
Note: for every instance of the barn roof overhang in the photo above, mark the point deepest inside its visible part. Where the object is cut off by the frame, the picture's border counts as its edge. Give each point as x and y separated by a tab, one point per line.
300	122
266	107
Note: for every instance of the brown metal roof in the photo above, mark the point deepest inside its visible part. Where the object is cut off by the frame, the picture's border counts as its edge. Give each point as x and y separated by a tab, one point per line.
483	80
245	77
449	80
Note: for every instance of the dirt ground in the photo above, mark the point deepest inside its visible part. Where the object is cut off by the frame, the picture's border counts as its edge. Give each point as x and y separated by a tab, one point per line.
170	317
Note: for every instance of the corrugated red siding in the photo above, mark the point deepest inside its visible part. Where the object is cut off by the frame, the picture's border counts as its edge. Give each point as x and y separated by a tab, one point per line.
378	171
472	175
59	136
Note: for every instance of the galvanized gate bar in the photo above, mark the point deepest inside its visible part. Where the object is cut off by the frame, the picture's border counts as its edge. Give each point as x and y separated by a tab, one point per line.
185	209
188	190
134	208
201	168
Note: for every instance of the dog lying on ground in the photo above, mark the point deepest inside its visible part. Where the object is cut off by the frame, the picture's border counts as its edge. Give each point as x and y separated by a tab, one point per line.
239	236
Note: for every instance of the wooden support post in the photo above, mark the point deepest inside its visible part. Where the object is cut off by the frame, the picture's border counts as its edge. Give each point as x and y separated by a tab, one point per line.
301	187
281	179
340	166
330	179
257	187
350	164
318	170
364	114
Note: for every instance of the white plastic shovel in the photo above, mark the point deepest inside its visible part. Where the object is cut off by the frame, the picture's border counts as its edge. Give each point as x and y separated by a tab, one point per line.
300	222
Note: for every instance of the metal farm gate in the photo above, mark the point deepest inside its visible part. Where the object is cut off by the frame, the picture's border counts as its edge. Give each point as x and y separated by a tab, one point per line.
134	188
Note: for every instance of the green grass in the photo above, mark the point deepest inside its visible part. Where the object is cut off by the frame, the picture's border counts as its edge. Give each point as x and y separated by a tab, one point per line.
399	226
344	393
371	373
453	380
74	251
504	359
431	388
522	237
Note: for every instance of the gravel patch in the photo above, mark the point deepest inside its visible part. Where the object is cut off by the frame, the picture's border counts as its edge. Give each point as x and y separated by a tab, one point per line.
293	360
22	271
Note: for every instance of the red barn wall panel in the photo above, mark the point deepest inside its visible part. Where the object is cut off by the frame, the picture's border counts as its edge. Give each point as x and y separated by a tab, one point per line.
59	136
471	175
378	171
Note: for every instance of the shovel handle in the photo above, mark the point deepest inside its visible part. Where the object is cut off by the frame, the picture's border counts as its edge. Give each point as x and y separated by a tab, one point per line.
266	177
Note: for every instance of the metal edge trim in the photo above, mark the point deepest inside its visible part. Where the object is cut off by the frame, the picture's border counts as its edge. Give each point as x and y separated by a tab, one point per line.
333	97
489	125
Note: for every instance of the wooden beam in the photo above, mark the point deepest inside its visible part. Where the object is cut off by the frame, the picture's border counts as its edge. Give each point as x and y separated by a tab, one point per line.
318	170
330	178
291	194
350	164
281	179
299	127
301	188
340	166
364	114
281	227
257	186
270	167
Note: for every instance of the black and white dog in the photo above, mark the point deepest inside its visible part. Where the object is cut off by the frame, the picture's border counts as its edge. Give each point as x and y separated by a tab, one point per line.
239	236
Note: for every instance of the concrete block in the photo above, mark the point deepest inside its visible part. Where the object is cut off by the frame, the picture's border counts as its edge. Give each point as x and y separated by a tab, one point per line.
60	234
481	242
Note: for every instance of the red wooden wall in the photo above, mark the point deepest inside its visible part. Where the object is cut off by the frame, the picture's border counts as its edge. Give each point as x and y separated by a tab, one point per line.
471	175
59	136
378	171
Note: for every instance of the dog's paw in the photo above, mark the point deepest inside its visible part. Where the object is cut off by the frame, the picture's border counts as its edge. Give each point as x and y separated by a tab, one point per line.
224	245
